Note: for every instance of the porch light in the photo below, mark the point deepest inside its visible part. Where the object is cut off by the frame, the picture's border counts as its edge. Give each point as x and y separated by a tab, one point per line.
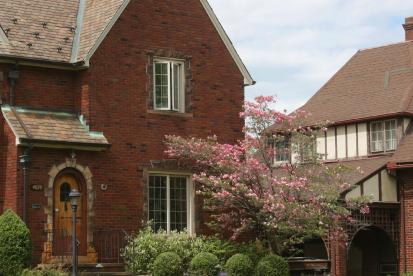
74	196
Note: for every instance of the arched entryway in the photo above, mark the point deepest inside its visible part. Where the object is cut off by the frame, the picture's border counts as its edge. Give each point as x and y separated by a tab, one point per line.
67	181
67	175
371	252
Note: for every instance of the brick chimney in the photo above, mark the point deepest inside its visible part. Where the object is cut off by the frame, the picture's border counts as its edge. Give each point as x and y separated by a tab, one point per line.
408	27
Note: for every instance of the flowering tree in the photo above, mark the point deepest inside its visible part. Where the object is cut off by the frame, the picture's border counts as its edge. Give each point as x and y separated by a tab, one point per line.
247	192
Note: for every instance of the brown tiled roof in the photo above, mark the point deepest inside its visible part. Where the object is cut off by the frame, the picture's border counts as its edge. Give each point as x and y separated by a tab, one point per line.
33	126
374	82
46	29
367	166
404	152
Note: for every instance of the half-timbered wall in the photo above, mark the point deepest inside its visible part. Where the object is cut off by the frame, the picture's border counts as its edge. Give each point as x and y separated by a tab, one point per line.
351	141
381	187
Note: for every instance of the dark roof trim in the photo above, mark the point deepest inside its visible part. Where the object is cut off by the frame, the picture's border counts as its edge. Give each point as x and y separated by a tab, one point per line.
372	118
43	63
64	144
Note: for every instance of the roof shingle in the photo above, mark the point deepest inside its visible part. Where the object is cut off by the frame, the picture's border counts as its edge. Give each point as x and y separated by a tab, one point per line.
374	82
45	29
55	127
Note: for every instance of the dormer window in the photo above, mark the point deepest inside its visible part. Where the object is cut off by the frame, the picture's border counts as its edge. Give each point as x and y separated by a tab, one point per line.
169	85
383	136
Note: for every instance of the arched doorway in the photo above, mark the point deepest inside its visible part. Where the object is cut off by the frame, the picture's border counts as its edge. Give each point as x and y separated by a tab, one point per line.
371	253
62	214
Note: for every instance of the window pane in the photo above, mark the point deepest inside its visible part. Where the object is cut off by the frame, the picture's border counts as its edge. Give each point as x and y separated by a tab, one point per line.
377	136
282	150
178	203
391	140
161	85
157	202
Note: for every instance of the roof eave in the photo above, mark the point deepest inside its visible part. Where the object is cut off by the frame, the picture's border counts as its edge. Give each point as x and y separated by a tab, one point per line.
45	63
41	143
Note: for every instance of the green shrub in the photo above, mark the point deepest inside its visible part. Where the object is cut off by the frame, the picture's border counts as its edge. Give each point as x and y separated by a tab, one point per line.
255	250
204	264
272	265
15	244
407	274
142	249
45	272
167	264
239	265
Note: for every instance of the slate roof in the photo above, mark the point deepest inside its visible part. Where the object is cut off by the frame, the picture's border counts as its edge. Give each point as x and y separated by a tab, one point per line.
47	30
50	127
404	152
374	82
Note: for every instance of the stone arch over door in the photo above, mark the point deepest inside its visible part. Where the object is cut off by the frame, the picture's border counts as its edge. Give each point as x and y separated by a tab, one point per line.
55	171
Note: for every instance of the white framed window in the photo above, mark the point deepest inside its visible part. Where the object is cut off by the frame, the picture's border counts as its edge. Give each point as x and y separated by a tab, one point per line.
169	85
171	202
282	150
383	136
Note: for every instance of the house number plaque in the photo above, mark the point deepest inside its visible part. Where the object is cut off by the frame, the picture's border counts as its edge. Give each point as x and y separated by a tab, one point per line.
37	188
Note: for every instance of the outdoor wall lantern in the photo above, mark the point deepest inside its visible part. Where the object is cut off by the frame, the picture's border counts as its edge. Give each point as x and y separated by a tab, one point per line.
74	197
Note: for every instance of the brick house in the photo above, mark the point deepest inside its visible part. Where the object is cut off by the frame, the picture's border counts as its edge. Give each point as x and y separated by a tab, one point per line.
88	91
368	103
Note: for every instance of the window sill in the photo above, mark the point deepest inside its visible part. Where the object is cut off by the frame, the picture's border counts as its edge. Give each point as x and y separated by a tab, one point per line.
171	113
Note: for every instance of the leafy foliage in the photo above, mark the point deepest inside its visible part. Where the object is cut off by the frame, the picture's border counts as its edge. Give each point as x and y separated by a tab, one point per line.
15	244
142	249
246	192
204	264
272	265
48	272
167	264
239	265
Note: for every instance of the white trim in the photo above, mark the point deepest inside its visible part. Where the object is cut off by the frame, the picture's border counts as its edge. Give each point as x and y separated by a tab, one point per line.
106	31
78	30
3	36
171	85
248	80
190	190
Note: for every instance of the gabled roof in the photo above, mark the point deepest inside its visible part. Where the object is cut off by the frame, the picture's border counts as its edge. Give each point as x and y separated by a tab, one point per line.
70	31
373	83
367	166
45	128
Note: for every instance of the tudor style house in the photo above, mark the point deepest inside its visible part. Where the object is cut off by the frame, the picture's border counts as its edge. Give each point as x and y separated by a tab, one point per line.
88	91
369	106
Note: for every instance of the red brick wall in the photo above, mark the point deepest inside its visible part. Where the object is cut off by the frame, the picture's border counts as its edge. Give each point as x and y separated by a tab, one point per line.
113	95
406	233
11	186
45	88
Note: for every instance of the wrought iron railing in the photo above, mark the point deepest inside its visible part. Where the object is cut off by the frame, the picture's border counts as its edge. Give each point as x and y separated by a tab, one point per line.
108	244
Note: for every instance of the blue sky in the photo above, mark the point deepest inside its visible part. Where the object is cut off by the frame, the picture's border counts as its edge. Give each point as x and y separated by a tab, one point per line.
293	47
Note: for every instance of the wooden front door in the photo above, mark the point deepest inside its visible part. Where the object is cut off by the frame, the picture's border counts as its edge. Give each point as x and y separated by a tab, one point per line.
62	216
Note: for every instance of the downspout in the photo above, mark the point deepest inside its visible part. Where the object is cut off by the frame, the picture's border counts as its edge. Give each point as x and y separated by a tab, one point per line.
25	164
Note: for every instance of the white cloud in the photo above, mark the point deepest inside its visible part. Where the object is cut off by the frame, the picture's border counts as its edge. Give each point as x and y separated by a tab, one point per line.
293	47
